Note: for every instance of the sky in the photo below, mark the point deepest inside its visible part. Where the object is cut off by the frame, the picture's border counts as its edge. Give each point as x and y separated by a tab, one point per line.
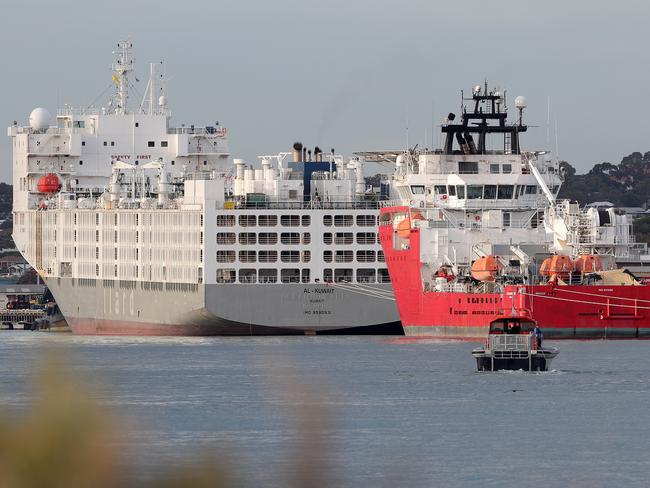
354	75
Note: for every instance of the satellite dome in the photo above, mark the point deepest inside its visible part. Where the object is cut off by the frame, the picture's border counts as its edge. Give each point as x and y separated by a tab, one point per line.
39	119
162	100
400	160
520	102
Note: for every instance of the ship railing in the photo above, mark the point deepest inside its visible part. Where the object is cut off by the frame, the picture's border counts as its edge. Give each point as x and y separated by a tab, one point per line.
77	111
214	131
511	342
302	205
198	175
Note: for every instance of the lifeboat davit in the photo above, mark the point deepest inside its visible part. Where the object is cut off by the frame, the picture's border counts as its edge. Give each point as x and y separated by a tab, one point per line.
485	268
49	184
404	226
562	266
588	263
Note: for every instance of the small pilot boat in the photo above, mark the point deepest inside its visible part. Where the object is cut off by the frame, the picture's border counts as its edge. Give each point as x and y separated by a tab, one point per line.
511	345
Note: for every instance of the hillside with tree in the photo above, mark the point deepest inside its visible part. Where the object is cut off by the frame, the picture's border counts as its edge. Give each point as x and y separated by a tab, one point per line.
625	185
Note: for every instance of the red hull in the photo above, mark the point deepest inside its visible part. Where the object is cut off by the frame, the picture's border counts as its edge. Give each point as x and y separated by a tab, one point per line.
561	311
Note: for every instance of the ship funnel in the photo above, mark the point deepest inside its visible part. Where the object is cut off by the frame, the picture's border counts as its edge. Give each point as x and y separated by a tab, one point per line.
297	152
318	154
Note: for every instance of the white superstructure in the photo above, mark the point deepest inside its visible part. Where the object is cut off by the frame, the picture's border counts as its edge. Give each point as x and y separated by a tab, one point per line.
481	194
141	227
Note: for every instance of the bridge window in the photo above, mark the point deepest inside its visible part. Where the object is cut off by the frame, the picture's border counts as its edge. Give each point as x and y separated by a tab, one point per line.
490	192
507	169
468	168
505	192
494	169
417	189
474	192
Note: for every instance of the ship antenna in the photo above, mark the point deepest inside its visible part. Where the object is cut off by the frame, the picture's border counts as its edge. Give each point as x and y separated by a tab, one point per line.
557	147
122	65
548	121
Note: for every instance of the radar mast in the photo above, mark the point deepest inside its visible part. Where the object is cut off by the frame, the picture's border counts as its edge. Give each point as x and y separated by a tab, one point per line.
122	65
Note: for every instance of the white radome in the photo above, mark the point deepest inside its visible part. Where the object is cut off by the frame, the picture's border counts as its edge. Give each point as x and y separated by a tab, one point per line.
39	119
162	101
521	102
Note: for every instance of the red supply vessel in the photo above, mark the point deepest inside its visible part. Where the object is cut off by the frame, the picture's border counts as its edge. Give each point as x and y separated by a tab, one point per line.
477	233
586	305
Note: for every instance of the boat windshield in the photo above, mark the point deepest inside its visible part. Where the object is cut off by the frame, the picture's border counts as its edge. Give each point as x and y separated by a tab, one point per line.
513	325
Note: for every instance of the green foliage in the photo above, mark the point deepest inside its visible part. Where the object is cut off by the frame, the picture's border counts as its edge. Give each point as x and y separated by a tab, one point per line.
625	185
641	229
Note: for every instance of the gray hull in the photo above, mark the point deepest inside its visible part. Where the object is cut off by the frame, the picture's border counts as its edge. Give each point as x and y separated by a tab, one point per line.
105	307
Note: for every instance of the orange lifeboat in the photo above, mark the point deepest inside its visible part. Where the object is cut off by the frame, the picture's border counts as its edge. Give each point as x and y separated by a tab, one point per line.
49	184
562	266
485	268
545	268
588	264
404	227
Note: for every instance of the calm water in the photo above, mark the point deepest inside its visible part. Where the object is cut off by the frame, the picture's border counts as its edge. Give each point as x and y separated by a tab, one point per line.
392	411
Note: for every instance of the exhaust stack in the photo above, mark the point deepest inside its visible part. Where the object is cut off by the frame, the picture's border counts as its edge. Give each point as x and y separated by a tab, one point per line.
297	152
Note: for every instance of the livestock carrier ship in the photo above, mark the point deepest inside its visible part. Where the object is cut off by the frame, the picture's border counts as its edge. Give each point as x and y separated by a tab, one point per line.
142	228
478	233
